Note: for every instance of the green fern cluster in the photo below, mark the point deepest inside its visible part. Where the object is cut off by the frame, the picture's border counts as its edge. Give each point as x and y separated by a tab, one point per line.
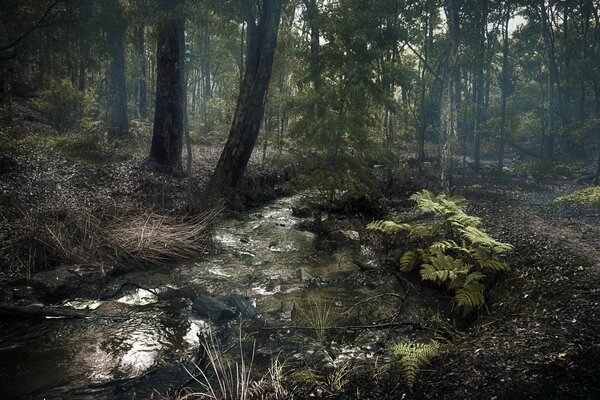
413	356
457	253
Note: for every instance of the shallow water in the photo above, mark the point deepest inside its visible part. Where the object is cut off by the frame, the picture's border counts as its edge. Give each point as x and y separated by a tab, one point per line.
261	256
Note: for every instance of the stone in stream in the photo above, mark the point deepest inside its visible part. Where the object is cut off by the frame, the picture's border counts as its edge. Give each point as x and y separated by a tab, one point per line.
223	308
69	281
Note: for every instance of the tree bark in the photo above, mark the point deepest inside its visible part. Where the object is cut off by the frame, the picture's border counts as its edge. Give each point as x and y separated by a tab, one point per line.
505	83
167	136
478	86
140	45
117	123
447	105
261	42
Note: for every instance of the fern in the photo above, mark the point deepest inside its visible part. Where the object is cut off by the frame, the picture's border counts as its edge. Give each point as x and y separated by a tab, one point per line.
388	226
470	296
413	356
409	260
460	268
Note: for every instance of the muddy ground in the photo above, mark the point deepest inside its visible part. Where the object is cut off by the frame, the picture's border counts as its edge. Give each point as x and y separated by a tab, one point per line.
538	337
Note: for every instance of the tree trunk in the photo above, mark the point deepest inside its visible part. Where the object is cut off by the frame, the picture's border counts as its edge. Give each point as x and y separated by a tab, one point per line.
262	39
167	136
140	45
117	124
447	104
478	86
504	79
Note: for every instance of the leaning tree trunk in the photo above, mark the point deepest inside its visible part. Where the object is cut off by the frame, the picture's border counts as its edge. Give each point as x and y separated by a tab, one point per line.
117	124
167	136
447	105
261	39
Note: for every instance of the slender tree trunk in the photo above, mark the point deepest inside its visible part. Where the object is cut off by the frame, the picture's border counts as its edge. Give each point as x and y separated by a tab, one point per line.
505	83
117	123
447	104
140	43
206	77
262	39
423	103
478	84
169	115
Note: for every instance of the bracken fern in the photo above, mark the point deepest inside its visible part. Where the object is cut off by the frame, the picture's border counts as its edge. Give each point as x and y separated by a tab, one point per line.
457	253
413	356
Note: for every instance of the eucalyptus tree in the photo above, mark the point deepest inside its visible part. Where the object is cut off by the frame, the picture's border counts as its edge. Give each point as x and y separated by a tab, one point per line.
167	134
448	101
117	114
262	19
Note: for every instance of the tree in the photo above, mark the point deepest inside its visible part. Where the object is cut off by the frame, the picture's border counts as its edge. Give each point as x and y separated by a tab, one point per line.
261	39
447	105
167	135
504	86
117	123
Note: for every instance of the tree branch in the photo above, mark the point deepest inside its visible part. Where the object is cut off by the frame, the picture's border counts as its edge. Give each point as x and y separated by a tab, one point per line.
39	24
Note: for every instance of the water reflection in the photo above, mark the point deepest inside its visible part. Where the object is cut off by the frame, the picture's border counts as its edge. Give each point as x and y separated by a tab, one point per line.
38	355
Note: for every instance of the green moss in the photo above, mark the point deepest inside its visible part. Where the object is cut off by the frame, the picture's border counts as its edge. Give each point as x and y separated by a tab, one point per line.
588	196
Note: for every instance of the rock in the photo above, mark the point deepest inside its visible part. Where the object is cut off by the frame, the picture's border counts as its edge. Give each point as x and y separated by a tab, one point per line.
68	281
301	211
285	312
346	237
304	276
242	305
213	308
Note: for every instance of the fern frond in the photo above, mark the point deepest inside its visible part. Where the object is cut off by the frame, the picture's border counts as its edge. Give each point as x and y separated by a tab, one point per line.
388	226
408	261
470	296
442	268
445	245
462	220
413	356
479	238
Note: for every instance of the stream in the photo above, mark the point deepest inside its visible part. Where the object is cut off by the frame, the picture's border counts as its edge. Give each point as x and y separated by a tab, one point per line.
136	341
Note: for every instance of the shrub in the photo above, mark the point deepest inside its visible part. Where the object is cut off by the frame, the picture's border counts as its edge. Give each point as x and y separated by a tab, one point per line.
63	105
453	251
588	196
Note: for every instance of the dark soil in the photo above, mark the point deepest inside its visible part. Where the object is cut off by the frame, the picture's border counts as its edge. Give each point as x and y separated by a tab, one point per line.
539	337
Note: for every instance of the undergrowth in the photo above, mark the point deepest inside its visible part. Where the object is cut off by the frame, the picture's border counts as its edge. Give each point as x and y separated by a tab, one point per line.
413	356
589	196
46	238
452	251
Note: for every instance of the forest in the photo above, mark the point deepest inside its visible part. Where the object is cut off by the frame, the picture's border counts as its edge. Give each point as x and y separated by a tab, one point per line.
298	199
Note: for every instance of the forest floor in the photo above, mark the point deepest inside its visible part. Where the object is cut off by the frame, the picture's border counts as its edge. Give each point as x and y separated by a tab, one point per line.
540	335
538	338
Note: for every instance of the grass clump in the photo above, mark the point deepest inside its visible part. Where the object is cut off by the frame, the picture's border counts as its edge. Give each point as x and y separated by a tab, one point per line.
319	316
46	238
589	196
225	379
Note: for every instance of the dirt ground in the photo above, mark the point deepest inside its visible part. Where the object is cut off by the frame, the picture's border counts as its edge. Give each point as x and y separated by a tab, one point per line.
540	336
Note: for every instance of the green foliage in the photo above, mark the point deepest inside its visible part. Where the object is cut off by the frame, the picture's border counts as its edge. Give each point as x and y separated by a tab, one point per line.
413	356
453	251
589	196
332	180
63	105
539	168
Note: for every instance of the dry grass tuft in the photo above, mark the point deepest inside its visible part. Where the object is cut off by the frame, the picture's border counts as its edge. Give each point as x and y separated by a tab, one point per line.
152	239
47	238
